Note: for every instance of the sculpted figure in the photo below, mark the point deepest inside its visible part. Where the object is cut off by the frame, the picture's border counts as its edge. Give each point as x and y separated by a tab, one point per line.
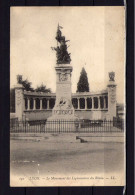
63	57
111	76
64	103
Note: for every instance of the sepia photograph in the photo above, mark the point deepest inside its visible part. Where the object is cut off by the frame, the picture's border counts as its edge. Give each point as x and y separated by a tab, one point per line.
67	96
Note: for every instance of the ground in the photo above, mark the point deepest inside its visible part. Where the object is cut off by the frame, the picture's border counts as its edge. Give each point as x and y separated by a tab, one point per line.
36	157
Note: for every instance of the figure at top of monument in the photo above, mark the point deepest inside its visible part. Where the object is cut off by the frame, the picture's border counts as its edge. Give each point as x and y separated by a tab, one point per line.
112	76
63	57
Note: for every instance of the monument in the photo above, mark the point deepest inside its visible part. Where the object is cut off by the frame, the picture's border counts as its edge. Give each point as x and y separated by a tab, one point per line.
111	96
63	109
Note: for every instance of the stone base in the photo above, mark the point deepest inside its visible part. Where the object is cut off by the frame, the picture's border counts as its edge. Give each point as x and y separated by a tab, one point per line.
62	124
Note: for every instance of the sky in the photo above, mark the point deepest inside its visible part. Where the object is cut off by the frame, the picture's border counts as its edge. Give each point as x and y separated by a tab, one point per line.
97	43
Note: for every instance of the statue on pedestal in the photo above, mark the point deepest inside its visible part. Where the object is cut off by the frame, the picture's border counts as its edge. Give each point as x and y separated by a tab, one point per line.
63	112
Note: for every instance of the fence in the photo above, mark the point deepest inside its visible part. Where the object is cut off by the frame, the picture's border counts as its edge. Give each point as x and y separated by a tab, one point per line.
64	126
118	122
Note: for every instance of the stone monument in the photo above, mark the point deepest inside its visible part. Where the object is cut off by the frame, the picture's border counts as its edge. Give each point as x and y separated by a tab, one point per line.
63	109
111	96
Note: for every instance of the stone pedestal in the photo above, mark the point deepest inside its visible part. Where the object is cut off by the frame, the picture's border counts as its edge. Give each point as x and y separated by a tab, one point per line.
111	100
19	101
63	110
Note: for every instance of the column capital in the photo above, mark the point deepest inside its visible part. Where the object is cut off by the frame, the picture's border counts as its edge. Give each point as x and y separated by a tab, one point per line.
28	98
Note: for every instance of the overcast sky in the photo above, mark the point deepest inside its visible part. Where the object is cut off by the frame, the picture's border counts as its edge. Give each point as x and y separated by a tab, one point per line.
97	38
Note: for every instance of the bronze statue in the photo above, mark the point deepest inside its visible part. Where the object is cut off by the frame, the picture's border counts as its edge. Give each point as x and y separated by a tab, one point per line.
63	57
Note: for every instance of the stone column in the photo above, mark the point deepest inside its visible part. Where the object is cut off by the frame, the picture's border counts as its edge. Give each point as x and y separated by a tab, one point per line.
34	104
47	104
41	104
99	106
85	103
78	103
19	101
104	102
28	102
92	100
111	96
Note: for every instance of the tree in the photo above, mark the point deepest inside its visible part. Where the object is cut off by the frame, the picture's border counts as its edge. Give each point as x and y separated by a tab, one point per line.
42	88
26	84
83	85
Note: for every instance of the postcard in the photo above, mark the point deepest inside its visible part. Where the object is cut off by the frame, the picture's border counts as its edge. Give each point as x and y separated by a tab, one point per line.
67	96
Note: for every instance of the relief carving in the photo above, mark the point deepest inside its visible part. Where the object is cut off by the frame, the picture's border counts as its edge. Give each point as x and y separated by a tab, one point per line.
64	103
19	97
113	95
63	77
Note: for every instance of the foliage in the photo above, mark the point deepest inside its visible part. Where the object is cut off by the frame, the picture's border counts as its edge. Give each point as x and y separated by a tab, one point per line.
26	84
83	85
42	88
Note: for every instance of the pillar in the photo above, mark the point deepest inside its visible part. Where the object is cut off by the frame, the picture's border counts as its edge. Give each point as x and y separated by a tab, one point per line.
19	101
34	104
111	96
47	104
78	103
92	101
28	101
99	106
104	102
85	103
41	104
